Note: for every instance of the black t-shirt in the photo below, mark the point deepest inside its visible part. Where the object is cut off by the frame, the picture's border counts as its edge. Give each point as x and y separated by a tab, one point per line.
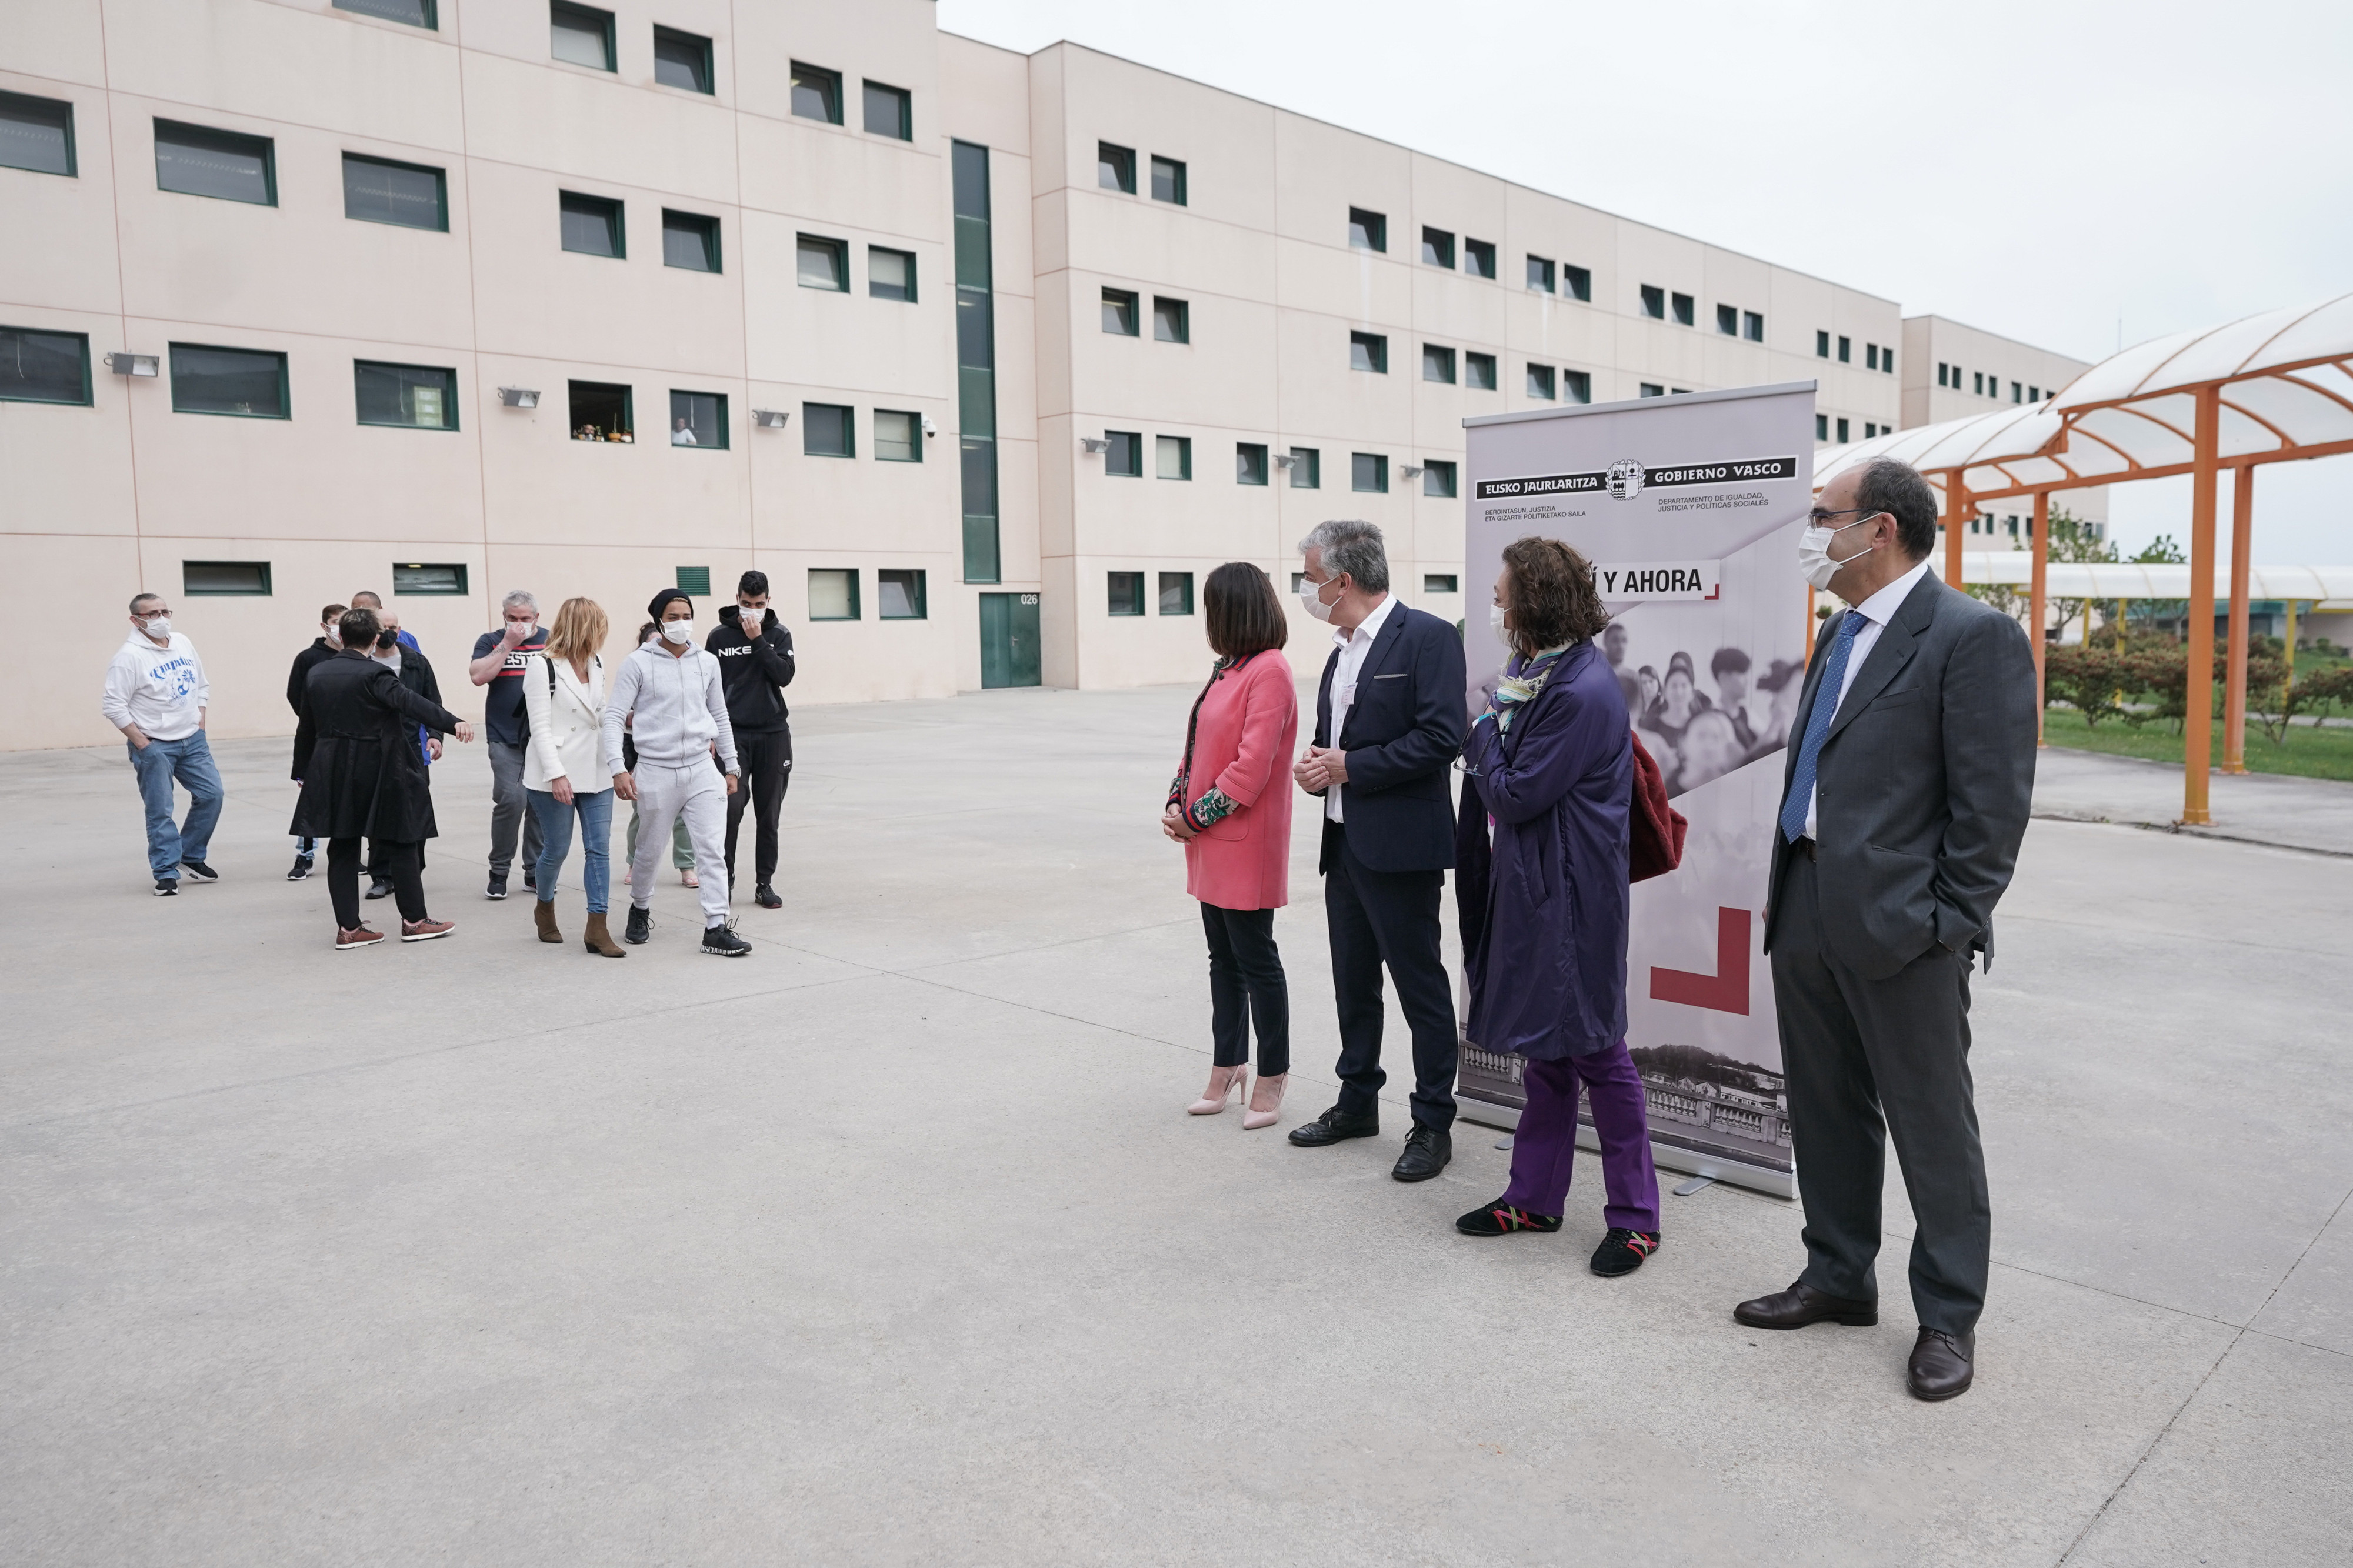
502	703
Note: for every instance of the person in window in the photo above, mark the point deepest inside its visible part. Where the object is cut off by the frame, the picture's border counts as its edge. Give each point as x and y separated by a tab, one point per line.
1229	809
498	663
1552	758
157	694
755	664
322	647
564	695
363	776
681	436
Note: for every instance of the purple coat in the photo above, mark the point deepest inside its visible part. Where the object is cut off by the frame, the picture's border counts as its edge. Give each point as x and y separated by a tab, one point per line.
1548	980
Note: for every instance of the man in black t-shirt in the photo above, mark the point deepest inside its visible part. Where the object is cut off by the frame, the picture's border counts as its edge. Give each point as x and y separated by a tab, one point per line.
755	664
499	660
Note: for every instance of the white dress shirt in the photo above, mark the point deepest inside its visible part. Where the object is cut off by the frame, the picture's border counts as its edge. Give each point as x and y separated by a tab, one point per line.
1877	611
1353	645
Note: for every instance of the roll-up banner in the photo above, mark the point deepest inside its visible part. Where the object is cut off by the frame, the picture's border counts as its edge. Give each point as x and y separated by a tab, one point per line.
1689	508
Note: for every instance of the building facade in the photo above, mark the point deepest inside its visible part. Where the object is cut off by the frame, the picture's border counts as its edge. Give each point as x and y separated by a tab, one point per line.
985	359
1951	372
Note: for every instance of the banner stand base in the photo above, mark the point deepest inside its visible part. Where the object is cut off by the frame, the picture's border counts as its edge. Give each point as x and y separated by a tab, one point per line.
1690	1163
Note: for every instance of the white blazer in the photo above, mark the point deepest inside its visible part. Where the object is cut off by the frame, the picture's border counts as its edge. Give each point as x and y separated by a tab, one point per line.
567	725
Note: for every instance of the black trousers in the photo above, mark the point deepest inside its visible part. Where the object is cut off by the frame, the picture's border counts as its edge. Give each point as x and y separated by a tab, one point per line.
403	864
1867	1059
1390	918
1246	987
767	764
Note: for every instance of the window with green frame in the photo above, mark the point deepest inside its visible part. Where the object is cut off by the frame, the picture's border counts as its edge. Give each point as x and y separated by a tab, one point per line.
415	12
580	35
248	384
37	134
1127	596
690	241
829	430
833	594
699	419
414	396
593	225
890	112
429	579
682	59
899	594
225	578
898	435
1175	593
816	93
199	161
407	195
37	366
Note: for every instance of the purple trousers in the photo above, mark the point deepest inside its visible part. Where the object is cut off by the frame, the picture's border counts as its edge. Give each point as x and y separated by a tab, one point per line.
1544	1148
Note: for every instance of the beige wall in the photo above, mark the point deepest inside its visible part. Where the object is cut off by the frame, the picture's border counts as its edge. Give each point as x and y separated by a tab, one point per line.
1933	341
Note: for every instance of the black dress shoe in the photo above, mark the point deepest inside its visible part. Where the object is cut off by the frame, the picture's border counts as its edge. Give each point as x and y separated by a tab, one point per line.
1427	1152
1336	1126
1801	1304
1940	1365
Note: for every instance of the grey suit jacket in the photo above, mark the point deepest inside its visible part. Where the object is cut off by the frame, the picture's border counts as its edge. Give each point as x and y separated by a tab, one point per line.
1924	784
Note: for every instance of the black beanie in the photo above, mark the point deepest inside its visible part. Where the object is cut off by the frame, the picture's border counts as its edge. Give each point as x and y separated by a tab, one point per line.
654	610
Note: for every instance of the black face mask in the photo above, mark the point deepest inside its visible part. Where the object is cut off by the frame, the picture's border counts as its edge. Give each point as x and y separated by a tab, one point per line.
386	641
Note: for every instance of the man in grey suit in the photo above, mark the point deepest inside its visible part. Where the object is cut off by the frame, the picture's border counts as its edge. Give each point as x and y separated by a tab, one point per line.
1910	771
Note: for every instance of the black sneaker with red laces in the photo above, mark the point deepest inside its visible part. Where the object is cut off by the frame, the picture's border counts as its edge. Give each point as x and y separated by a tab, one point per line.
1622	1251
1499	1218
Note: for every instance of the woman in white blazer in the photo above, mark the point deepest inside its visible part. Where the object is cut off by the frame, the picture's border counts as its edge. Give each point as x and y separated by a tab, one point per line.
564	771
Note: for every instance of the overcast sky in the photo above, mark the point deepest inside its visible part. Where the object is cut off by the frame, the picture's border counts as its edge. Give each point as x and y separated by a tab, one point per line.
2047	171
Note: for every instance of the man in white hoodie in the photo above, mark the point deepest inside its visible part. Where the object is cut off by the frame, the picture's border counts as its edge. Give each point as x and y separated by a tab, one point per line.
157	695
673	687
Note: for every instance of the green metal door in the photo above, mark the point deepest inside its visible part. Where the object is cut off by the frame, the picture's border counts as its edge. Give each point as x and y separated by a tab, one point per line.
1008	639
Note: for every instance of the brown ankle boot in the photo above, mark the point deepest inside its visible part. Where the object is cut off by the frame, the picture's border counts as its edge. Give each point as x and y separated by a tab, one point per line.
599	941
543	911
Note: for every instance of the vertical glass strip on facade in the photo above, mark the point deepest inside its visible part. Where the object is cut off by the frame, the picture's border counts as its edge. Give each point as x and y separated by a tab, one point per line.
975	364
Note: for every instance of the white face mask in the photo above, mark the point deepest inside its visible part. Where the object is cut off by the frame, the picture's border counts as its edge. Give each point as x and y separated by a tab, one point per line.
160	627
1495	621
331	634
1311	598
677	633
751	619
1814	553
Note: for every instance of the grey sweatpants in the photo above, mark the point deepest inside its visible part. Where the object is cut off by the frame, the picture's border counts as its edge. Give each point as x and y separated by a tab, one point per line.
698	794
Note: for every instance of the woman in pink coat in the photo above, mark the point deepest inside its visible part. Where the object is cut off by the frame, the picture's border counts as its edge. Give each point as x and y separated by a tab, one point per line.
1231	811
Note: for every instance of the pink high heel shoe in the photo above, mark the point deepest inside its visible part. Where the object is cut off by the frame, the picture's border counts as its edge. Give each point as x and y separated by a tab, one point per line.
1254	1119
1225	1084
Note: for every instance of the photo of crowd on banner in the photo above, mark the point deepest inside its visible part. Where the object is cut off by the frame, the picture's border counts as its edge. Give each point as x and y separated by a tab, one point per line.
1699	723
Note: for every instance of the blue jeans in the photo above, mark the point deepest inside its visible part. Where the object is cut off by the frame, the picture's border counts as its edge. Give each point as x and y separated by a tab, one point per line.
555	819
190	760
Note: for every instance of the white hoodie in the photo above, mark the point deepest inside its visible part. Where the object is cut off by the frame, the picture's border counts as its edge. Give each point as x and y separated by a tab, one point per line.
161	689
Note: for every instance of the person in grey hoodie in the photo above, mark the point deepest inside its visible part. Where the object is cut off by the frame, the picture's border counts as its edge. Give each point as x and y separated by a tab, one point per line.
669	692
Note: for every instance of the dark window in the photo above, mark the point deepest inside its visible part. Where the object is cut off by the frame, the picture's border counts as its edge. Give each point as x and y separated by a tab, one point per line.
581	34
446	580
699	419
2017	393
1822	345
1887	360
682	59
1577	282
36	133
1168	181
1869	429
1822	426
832	593
890	274
247	382
1367	230
1686	310
816	93
592	225
1842	432
1171	457
694	582
1369	351
1116	167
1126	592
1976	382
899	594
377	190
1540	382
1441	582
2033	395
1172	320
1728	321
196	162
1249	463
1540	274
1119	312
418	397
1478	370
1478	258
1681	392
898	435
1175	593
1438	480
690	240
1655	303
1368	472
1306	468
1871	356
1437	248
1752	326
1846	351
1437	363
829	430
824	264
44	367
415	12
1943	372
890	112
603	411
1653	389
1123	456
1575	386
248	579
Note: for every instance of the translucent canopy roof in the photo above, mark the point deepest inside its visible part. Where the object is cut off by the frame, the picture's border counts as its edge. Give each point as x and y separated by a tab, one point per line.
2287	380
2330	586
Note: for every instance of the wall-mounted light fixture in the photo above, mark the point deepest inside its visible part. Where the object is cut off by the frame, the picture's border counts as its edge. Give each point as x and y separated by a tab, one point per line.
519	396
1095	446
1284	460
770	418
132	364
1413	471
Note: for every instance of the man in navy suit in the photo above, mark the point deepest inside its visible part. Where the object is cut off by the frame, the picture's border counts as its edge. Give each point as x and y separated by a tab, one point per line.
1388	726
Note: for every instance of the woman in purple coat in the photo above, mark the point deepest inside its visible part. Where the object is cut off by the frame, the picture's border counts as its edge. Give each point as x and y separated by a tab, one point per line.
1552	759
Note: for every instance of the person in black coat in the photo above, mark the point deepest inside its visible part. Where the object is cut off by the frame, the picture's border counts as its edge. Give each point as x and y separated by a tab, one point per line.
755	665
363	776
323	648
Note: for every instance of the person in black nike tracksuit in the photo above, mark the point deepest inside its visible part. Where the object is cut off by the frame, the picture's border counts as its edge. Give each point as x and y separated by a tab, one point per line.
755	664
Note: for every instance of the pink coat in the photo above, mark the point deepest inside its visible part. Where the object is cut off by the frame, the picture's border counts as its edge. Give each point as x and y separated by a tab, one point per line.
1238	791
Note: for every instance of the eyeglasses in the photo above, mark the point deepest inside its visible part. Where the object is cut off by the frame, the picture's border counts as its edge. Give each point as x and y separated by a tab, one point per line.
1820	518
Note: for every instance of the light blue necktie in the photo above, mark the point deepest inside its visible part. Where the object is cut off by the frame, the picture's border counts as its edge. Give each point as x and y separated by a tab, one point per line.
1818	726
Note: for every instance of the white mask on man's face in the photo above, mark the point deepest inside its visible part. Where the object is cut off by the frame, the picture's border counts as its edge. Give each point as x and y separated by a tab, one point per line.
1814	559
677	633
751	616
1311	598
158	626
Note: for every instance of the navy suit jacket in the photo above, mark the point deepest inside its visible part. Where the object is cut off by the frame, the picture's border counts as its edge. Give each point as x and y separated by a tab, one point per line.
1403	732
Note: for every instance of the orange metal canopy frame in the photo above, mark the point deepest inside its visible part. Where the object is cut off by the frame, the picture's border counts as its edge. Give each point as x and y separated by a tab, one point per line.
2269	388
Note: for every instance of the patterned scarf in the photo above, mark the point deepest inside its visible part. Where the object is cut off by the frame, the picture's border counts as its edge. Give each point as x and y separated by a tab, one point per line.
1515	689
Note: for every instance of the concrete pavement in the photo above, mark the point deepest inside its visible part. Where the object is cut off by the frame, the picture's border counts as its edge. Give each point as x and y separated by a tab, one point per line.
890	1244
2278	809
